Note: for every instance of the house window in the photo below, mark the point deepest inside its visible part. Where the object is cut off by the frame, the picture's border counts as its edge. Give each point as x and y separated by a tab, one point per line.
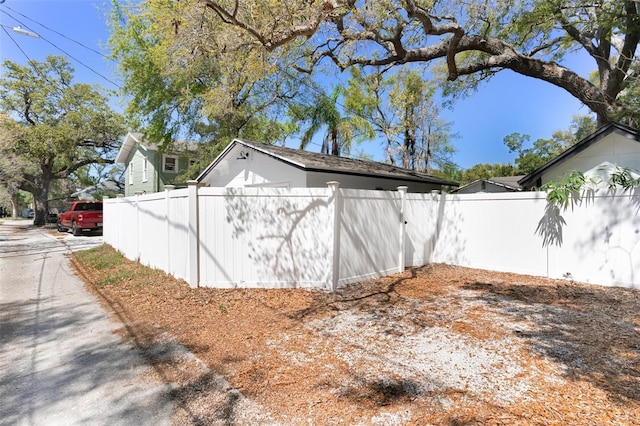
170	164
145	165
131	173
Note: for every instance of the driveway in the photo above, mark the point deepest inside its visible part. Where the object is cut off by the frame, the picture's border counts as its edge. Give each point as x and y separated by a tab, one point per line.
61	362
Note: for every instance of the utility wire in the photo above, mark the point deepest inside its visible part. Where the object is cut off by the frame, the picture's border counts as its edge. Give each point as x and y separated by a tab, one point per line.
16	43
59	33
32	62
64	51
318	91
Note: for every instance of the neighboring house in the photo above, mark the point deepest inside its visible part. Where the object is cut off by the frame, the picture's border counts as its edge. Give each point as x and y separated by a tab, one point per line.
493	184
147	168
612	144
108	187
244	164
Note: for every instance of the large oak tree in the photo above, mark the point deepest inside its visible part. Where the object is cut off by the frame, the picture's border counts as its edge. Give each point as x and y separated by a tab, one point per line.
185	77
473	40
56	127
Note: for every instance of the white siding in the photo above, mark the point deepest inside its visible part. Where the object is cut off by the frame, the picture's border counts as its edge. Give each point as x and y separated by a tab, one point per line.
320	179
237	169
614	148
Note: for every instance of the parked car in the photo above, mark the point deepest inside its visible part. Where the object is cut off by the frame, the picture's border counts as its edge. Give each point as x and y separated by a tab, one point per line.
82	216
28	213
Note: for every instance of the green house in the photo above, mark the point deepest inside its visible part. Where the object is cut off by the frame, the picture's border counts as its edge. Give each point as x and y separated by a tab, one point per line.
148	169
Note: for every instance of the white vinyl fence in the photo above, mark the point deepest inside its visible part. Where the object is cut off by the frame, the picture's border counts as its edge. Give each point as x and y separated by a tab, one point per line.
327	237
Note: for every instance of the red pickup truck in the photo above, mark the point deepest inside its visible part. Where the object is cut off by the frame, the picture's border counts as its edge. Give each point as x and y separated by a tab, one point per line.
83	215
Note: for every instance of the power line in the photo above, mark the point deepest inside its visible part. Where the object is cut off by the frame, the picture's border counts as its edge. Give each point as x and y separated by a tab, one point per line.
60	34
16	43
62	50
32	62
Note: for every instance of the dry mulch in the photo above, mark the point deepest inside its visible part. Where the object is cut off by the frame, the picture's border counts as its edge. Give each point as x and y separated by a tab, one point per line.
433	345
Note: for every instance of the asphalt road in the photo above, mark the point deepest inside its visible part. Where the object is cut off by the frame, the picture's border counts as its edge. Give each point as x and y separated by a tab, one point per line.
60	361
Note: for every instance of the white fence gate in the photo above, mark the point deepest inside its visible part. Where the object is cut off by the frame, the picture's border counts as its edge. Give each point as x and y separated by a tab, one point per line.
327	237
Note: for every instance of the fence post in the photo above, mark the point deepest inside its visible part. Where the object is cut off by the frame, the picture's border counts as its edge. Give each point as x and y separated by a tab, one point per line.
193	244
137	251
334	211
167	224
402	190
118	223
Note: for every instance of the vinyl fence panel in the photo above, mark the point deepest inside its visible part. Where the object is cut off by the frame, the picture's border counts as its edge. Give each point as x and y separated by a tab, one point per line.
326	237
369	234
492	231
265	237
152	246
600	241
176	232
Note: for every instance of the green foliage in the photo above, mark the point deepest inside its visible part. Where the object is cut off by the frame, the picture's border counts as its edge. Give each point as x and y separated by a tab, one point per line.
622	177
561	193
486	171
575	185
53	128
543	150
467	42
402	110
324	114
188	78
99	258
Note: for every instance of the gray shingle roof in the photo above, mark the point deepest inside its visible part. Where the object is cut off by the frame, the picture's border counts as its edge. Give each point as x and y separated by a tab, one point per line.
508	181
313	161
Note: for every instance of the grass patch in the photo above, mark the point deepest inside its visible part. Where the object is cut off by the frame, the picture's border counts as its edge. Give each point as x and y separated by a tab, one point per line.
102	257
108	267
115	278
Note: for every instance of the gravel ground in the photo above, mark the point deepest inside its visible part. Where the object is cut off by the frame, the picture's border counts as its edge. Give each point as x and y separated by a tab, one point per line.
433	345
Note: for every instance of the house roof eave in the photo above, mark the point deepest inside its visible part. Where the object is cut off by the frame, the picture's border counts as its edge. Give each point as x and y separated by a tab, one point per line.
603	131
308	167
411	177
128	144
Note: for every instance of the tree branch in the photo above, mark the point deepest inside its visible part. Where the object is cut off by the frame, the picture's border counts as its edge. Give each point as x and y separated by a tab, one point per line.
270	44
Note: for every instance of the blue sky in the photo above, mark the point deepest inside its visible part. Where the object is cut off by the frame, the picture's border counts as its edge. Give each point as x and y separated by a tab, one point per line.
509	103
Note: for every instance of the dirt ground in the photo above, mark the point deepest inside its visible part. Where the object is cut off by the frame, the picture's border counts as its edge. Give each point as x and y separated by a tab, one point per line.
433	345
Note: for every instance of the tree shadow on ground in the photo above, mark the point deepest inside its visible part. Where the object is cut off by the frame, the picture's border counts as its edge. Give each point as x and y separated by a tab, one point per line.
371	295
590	331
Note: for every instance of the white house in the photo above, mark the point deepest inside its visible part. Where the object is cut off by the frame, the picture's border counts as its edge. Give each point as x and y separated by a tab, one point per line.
245	164
612	144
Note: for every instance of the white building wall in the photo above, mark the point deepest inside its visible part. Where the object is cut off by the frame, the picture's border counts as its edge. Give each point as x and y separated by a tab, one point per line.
615	148
320	179
246	167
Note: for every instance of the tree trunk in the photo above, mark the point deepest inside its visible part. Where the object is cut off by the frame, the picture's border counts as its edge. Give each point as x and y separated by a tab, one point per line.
41	201
335	149
14	205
